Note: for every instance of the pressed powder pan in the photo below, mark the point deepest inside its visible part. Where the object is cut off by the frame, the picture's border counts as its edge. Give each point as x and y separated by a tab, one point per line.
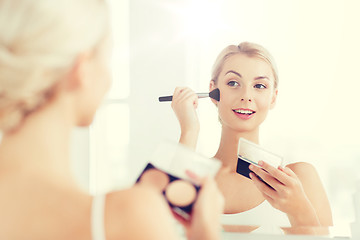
180	193
155	178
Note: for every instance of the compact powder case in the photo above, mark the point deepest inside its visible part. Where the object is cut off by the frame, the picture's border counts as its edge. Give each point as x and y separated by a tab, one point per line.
170	170
251	153
179	193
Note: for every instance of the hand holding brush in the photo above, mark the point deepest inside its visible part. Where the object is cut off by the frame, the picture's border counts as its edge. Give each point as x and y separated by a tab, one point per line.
214	94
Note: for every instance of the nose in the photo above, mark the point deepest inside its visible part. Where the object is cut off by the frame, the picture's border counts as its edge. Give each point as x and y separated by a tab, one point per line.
245	95
246	99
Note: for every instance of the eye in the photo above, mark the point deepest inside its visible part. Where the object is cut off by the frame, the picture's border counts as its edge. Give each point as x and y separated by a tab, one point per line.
260	86
233	84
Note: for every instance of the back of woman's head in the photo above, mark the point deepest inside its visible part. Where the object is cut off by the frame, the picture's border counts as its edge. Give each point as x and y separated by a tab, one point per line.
249	49
40	41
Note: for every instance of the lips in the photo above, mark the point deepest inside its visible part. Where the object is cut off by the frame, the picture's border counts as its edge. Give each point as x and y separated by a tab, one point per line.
244	113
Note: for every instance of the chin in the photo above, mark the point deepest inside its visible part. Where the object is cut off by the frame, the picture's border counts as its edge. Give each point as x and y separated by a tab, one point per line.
243	127
85	121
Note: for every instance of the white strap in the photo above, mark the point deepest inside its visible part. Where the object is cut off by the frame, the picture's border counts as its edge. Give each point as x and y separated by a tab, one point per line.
97	217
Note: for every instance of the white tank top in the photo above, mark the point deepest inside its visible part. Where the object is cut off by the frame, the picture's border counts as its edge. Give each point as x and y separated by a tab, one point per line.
97	217
264	215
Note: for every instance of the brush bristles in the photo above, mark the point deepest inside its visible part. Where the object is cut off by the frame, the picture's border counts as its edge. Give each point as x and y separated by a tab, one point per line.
215	94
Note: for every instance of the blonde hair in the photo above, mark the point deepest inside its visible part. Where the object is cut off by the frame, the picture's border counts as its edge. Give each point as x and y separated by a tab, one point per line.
250	50
40	41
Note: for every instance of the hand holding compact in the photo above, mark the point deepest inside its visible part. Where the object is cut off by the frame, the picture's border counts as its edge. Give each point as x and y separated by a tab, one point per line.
286	193
207	209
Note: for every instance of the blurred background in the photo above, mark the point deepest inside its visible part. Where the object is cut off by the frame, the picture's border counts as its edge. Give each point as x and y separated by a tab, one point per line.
161	44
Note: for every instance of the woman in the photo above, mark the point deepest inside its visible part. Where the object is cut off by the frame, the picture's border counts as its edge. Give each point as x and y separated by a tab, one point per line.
247	78
54	73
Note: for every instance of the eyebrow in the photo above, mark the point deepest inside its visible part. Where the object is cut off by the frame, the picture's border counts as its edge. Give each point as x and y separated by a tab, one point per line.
238	74
261	77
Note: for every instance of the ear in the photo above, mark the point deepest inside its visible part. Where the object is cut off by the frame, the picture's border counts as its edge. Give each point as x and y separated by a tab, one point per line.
273	100
212	86
76	77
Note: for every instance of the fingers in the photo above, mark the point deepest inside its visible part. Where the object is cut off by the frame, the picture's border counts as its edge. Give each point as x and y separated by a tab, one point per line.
266	190
265	176
205	216
184	93
195	178
184	104
280	179
205	182
288	171
277	173
209	188
180	219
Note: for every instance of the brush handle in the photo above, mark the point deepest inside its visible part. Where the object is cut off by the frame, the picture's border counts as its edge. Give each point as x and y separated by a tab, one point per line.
165	99
203	95
169	98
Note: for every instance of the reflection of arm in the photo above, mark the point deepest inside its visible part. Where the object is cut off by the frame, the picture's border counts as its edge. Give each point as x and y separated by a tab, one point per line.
184	104
189	139
314	190
239	228
314	231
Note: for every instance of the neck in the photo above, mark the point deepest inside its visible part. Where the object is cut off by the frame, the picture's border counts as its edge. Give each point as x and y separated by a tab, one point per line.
40	145
228	147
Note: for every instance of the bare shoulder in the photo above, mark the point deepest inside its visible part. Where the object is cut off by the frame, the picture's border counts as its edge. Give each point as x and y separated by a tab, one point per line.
136	208
304	170
307	174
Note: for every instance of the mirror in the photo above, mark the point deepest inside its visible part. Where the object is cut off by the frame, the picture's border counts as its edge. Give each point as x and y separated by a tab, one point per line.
174	43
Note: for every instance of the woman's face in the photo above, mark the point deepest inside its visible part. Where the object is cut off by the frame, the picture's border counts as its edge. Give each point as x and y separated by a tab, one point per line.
247	92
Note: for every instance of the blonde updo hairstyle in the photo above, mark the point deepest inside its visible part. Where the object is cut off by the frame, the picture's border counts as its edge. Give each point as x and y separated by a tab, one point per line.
250	50
40	41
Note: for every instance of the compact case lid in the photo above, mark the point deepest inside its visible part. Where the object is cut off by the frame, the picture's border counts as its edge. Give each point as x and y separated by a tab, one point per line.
253	153
176	159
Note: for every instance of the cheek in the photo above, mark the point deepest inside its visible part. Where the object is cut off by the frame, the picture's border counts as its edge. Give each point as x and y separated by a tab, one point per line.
102	80
264	102
225	106
226	99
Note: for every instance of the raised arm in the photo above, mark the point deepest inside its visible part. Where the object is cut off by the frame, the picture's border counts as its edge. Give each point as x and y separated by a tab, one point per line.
184	104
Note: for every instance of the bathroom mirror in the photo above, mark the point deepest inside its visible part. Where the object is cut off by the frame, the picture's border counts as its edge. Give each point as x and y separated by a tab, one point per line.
162	44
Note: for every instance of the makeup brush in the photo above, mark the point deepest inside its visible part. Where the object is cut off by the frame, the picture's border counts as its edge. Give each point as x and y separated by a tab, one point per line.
214	94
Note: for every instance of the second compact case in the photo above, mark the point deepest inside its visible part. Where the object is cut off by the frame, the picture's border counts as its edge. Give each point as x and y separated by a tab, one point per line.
179	193
169	171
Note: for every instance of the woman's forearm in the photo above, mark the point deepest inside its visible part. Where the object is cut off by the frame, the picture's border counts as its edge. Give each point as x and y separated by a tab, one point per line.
306	216
189	138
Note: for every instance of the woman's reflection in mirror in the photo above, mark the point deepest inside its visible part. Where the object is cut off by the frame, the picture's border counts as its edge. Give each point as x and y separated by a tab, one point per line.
247	78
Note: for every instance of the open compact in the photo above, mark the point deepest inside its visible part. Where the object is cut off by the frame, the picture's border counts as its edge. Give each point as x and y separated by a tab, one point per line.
251	153
179	193
167	172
